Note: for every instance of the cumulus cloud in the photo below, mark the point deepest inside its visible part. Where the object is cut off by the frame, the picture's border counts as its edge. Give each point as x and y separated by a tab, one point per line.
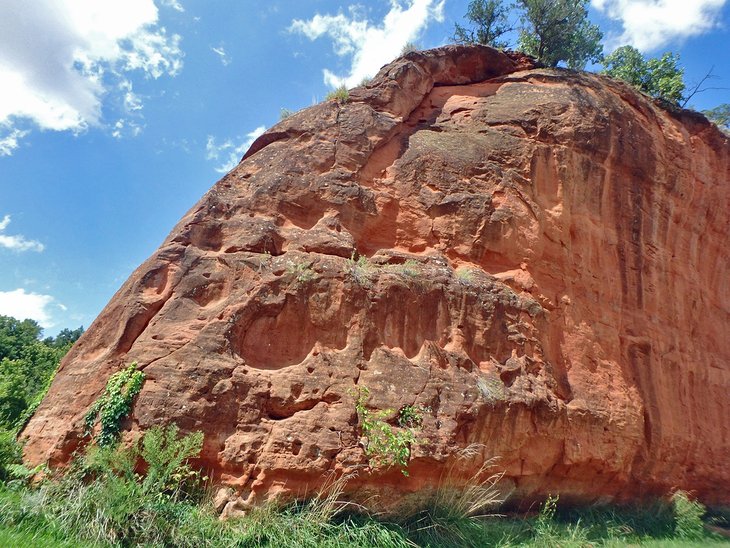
60	58
652	24
17	242
229	152
369	46
23	306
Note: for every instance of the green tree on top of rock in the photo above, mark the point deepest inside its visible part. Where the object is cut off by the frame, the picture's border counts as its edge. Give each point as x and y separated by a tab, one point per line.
720	115
553	31
489	18
662	78
557	31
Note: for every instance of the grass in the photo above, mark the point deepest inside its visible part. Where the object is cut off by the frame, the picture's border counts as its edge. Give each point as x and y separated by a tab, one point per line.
340	95
103	500
37	539
27	520
360	269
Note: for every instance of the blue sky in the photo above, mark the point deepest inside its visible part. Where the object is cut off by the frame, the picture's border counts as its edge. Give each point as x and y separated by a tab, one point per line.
117	115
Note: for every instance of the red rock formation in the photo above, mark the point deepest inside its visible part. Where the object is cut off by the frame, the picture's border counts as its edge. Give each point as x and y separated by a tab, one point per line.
546	269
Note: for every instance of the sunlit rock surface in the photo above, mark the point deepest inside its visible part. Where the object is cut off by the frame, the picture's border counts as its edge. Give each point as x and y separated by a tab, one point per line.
545	268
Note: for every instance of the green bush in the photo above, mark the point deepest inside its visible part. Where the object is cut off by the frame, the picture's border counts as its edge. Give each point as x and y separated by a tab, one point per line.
10	453
385	445
687	516
103	497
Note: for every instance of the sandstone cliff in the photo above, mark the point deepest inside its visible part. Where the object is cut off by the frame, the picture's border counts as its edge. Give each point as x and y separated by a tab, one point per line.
544	267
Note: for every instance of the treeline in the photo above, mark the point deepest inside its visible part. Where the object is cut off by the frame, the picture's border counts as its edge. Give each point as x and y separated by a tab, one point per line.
27	365
558	32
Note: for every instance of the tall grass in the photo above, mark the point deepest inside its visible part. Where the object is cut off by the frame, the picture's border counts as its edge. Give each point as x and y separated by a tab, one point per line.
454	515
149	495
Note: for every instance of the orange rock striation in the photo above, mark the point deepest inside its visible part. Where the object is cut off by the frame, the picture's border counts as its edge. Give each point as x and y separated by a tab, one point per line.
544	268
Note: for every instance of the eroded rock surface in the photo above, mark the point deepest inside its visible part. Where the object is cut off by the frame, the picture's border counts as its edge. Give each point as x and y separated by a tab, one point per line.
545	268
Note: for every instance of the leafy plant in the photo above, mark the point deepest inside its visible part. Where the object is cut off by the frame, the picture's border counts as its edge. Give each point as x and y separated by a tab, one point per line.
720	115
385	445
411	416
284	113
549	532
339	95
10	453
114	404
687	516
103	498
661	78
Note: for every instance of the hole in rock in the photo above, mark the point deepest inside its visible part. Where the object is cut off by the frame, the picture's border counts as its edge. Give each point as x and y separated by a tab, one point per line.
296	447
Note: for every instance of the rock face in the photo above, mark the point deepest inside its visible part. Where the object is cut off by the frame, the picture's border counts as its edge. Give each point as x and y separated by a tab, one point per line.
538	257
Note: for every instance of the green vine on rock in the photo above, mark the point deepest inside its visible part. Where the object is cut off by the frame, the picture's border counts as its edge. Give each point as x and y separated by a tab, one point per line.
385	445
114	405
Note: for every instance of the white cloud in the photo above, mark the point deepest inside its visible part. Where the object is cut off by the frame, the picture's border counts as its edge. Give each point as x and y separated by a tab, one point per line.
221	52
60	58
370	46
174	4
126	128
228	152
652	24
132	102
23	306
9	141
18	242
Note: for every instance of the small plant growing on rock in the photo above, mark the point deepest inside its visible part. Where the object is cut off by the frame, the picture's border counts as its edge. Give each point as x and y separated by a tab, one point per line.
410	47
410	268
303	272
384	444
339	95
114	404
491	388
411	416
465	275
264	260
360	269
